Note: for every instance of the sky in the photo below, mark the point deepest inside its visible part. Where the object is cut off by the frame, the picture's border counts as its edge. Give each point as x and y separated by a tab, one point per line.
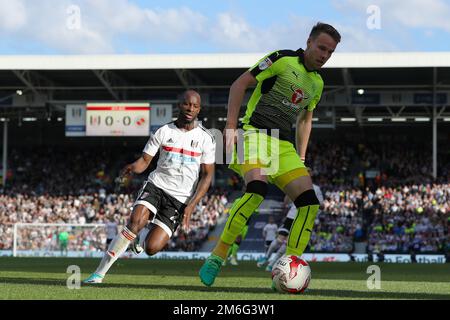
62	27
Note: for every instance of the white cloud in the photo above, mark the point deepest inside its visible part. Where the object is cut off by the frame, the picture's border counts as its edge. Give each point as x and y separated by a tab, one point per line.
109	26
12	15
362	40
174	24
421	14
233	33
404	13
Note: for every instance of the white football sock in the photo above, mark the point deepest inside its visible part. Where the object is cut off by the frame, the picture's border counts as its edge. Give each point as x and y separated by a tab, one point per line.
281	251
274	245
117	247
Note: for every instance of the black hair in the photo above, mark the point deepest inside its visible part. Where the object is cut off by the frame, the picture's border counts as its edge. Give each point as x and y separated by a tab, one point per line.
325	28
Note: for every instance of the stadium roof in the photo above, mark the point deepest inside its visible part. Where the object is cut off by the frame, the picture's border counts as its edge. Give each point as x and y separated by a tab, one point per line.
214	61
395	83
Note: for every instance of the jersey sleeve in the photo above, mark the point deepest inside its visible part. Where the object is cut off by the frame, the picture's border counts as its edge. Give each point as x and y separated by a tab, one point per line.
153	143
317	96
209	151
267	67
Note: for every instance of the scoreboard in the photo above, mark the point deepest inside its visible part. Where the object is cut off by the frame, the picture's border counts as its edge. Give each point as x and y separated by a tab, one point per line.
117	119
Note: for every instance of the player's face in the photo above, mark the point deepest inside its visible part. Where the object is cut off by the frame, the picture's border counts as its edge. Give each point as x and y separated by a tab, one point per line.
319	50
189	108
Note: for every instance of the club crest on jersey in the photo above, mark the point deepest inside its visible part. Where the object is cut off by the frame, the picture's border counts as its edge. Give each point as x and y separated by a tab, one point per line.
298	96
263	65
194	144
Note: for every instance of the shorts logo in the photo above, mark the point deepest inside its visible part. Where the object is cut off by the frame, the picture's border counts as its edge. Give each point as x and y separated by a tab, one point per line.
263	65
144	195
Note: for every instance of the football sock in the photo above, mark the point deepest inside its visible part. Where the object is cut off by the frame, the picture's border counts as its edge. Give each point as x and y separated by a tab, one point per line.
307	207
117	247
277	255
274	245
234	250
240	212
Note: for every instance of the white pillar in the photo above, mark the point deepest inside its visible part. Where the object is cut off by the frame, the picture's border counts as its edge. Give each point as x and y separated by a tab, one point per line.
5	151
434	123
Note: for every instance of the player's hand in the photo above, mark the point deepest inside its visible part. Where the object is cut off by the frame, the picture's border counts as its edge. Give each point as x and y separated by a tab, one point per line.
229	138
125	173
187	216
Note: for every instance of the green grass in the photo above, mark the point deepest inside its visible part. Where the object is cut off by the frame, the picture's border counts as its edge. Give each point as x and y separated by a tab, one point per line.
45	278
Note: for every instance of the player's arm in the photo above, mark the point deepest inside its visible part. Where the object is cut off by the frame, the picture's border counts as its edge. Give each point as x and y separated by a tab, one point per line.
304	122
303	131
237	93
139	166
207	173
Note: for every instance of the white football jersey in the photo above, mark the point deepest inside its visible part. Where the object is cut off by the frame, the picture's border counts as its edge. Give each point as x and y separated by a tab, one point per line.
270	229
181	153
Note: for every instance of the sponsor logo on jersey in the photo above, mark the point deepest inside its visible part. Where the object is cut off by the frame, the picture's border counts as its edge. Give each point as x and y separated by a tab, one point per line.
170	140
263	65
194	144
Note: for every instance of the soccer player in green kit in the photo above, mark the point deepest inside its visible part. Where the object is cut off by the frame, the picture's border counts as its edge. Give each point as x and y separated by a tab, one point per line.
288	88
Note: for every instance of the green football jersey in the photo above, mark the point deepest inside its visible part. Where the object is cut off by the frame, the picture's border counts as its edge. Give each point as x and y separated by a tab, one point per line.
285	87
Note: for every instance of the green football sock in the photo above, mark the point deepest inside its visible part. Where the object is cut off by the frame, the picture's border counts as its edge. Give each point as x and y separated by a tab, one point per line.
301	230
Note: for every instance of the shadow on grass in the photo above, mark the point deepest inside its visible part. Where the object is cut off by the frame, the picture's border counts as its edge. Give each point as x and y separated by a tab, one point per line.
332	294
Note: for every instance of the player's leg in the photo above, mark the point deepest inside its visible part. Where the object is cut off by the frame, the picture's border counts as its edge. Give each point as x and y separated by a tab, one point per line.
156	239
240	212
237	244
280	252
301	191
273	247
234	250
139	218
164	224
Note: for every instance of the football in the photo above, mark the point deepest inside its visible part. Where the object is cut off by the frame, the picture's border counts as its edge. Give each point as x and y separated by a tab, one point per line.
291	274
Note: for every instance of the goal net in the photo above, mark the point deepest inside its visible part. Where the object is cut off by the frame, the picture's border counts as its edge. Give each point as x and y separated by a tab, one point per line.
59	240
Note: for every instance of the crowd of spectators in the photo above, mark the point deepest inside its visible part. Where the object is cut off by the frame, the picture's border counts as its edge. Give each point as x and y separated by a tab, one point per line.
90	209
406	219
350	165
383	195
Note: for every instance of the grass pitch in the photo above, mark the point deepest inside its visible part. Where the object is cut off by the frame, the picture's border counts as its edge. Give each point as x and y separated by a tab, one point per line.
46	278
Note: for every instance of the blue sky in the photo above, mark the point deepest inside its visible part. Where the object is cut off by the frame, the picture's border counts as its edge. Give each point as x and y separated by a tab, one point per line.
201	26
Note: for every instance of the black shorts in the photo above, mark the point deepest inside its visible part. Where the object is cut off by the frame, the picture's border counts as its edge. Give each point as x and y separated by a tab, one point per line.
168	211
285	227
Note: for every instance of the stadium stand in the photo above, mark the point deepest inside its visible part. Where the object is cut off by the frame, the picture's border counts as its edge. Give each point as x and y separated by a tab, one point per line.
389	216
366	169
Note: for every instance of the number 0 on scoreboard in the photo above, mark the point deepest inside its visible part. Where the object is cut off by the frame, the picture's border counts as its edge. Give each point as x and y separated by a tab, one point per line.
117	119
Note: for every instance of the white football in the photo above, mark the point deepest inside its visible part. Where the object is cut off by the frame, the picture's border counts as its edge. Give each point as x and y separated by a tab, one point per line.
291	274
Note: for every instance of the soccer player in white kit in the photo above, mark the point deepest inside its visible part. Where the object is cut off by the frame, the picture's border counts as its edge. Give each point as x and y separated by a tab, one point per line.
171	192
